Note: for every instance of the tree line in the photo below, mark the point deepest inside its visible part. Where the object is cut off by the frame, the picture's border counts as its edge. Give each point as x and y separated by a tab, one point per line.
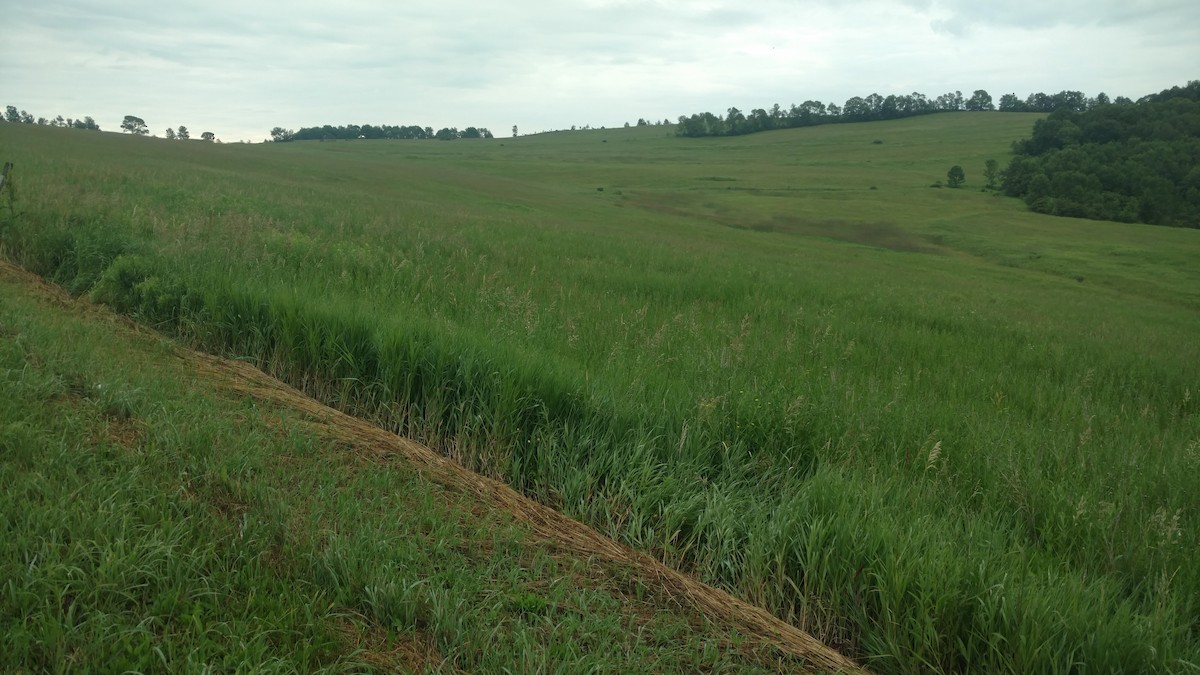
11	114
1121	160
876	107
347	132
132	124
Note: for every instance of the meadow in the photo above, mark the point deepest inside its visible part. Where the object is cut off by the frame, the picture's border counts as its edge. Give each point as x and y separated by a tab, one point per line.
167	511
934	429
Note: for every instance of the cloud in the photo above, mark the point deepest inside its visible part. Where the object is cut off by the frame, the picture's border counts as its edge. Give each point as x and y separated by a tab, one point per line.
960	17
241	68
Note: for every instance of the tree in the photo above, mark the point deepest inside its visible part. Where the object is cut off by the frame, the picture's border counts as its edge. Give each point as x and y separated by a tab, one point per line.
182	133
281	135
759	120
1039	102
85	123
991	171
874	105
134	125
514	131
955	176
11	114
890	109
735	122
26	117
1121	161
208	137
1010	103
170	135
980	101
856	109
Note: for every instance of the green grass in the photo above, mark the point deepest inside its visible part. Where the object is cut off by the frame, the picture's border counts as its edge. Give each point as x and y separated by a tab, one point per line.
929	426
152	523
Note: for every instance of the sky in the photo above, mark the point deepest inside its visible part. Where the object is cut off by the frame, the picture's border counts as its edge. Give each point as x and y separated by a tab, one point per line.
240	68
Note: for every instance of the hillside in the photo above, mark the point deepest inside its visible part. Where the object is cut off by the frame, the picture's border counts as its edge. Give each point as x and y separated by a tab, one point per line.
926	425
174	509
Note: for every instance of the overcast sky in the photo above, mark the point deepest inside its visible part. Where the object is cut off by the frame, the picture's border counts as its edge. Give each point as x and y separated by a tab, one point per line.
240	68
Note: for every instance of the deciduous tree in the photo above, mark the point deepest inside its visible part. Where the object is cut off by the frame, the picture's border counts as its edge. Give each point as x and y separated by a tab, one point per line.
1010	103
955	176
991	171
134	125
980	101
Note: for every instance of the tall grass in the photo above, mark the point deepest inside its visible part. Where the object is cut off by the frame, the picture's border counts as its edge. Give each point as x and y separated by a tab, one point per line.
894	416
152	521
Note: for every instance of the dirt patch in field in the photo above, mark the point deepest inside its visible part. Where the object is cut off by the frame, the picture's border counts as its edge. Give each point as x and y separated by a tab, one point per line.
878	234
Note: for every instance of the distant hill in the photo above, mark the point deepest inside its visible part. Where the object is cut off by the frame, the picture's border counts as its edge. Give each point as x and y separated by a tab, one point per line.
875	108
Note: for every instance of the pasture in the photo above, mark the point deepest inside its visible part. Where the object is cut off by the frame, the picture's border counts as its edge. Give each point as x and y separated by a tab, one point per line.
933	429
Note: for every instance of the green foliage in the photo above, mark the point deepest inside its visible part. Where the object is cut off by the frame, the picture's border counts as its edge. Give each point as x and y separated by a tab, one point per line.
134	125
11	114
892	416
875	108
133	285
369	131
980	101
955	176
991	172
1129	162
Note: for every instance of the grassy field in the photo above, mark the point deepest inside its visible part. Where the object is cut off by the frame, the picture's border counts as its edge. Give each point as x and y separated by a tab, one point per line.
931	428
156	520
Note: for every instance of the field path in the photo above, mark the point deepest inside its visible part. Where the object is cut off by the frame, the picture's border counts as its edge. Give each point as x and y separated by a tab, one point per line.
556	529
